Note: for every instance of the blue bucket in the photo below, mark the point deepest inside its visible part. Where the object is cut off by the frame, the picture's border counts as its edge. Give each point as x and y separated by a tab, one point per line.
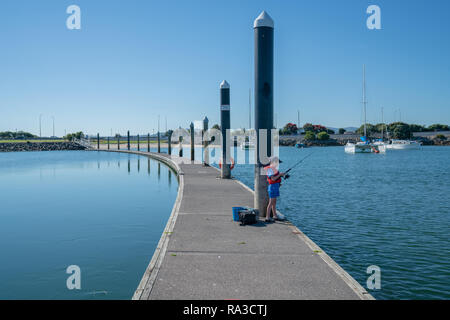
236	212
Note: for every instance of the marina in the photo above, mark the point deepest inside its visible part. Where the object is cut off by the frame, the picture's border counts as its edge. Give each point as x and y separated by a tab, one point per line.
224	159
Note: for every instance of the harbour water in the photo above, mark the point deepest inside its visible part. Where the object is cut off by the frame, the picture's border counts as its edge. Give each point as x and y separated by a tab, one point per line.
104	212
390	210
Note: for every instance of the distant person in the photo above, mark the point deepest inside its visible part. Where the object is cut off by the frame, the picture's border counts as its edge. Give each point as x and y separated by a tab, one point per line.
274	180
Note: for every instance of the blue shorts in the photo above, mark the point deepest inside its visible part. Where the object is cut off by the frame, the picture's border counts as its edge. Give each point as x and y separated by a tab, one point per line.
274	190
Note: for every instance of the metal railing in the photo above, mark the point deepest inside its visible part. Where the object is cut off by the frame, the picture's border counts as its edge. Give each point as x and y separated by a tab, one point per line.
83	142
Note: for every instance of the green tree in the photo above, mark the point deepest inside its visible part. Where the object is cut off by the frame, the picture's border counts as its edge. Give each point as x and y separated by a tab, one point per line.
370	128
216	126
400	130
16	135
438	127
289	129
76	135
341	130
323	136
308	127
416	128
309	135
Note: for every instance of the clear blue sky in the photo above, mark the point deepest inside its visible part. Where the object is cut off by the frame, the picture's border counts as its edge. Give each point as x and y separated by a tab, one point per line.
133	60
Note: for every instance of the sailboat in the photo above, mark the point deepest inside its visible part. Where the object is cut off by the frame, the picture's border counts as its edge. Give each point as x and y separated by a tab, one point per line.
364	146
380	143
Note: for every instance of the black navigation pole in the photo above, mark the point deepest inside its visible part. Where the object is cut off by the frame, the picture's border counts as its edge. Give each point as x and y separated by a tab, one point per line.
205	143
263	37
191	127
224	125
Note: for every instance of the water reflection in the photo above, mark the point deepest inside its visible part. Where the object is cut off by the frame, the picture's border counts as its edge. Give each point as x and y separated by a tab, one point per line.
99	236
159	170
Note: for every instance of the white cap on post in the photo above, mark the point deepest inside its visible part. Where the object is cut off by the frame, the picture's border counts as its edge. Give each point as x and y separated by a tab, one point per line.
263	20
224	85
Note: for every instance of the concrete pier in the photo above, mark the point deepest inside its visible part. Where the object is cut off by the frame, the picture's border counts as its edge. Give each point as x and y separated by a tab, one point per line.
203	254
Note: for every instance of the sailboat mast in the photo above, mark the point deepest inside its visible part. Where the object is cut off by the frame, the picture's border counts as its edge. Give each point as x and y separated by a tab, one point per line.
382	124
249	109
364	99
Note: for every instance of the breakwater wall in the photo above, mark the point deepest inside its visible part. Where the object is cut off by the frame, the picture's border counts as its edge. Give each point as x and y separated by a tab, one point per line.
39	146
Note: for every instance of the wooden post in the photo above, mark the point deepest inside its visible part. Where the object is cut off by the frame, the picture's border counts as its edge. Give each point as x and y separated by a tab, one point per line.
180	151
118	141
192	142
98	141
138	148
205	144
128	138
169	141
159	142
108	143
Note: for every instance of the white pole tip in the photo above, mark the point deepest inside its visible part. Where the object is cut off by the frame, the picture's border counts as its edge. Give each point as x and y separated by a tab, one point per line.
263	20
224	85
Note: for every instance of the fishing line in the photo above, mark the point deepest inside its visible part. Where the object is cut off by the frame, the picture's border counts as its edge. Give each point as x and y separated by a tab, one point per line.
287	176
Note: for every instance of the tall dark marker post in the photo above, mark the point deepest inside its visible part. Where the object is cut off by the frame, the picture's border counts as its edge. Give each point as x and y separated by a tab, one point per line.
148	142
98	141
159	138
108	143
224	125
128	139
138	147
169	141
263	35
118	141
159	142
180	143
192	142
205	143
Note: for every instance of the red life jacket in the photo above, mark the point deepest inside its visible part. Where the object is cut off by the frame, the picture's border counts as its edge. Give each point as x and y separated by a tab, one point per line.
275	172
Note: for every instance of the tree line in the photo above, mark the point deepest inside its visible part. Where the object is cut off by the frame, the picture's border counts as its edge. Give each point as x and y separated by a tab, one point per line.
19	135
400	130
396	130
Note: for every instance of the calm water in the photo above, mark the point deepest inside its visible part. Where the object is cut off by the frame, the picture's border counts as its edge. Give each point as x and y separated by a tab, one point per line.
389	210
104	212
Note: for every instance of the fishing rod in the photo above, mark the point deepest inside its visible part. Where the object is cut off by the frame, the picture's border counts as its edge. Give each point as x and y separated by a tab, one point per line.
287	176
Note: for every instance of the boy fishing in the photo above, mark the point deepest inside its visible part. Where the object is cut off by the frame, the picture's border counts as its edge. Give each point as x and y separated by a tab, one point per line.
274	180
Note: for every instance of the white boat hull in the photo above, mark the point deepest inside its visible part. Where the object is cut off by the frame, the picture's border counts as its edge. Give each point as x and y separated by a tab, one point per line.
357	148
365	148
405	145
